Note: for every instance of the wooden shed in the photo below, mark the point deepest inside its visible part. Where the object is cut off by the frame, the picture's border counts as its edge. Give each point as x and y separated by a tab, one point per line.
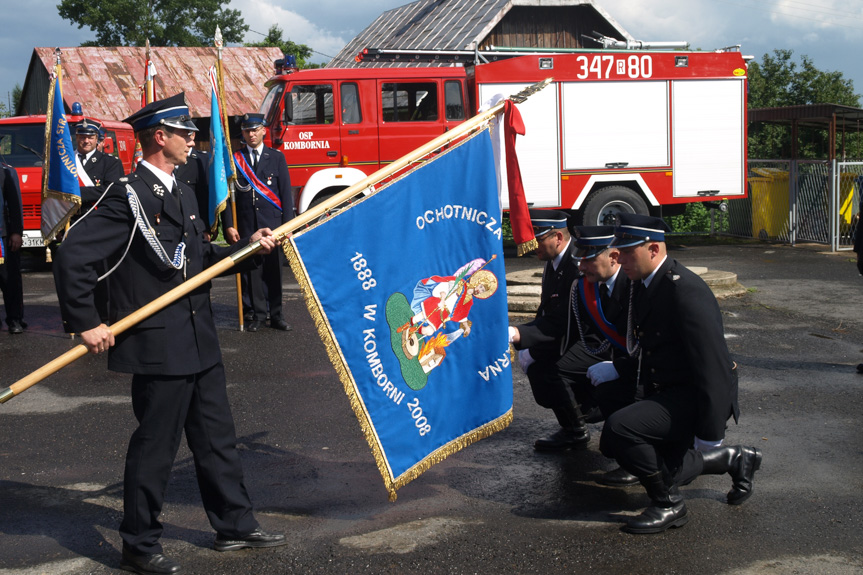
464	24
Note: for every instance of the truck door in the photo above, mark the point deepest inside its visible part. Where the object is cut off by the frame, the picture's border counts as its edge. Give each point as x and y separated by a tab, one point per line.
411	114
311	140
358	125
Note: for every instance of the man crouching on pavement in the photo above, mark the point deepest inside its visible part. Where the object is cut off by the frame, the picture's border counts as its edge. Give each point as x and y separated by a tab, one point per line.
178	380
677	352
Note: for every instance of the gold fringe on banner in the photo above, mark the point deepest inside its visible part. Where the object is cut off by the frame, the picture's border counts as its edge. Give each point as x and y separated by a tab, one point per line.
334	353
527	247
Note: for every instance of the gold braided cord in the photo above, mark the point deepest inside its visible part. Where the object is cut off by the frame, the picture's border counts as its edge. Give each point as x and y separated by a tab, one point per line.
527	247
336	357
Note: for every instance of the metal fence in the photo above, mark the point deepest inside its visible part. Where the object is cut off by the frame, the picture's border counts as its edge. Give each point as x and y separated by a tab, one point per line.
797	201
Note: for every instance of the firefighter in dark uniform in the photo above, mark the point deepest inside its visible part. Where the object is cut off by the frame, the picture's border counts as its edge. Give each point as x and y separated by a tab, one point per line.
539	341
96	170
99	169
677	352
178	380
11	230
265	201
195	175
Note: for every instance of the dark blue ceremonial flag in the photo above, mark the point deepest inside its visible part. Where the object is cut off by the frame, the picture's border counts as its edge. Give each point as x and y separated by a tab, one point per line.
408	289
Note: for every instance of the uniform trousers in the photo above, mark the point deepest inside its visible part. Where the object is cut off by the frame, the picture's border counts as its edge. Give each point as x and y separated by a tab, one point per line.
11	284
165	406
265	287
655	434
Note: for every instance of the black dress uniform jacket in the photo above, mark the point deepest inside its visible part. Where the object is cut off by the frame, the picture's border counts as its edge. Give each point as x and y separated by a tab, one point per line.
679	328
178	340
544	333
615	312
103	169
253	211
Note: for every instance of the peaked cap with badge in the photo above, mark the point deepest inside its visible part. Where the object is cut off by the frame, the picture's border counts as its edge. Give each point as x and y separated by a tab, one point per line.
590	241
172	112
543	221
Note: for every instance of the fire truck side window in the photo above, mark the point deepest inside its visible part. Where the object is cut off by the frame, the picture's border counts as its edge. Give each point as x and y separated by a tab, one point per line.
454	100
22	145
409	102
351	113
313	104
270	106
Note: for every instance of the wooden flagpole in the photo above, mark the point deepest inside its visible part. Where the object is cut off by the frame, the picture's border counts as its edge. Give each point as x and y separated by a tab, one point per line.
280	233
232	174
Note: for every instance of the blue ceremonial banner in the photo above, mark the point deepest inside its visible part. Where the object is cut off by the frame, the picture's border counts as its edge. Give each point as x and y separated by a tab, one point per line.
61	192
407	288
220	157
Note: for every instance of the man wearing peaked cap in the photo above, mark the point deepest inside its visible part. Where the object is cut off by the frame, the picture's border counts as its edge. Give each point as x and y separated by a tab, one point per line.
96	170
598	303
539	341
677	353
178	379
263	199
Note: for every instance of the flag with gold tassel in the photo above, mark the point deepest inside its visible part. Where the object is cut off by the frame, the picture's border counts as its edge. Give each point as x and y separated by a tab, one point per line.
411	305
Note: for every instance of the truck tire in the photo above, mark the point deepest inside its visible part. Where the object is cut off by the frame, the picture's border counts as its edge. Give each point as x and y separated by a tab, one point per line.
603	205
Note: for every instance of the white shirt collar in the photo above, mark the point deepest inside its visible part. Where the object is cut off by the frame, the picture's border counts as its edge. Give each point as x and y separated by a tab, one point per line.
87	155
646	281
610	282
260	149
559	257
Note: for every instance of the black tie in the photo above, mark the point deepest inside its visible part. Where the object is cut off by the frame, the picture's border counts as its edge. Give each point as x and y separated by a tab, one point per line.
603	295
83	158
254	159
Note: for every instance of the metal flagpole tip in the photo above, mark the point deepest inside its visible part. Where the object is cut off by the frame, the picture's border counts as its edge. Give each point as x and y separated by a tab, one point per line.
6	395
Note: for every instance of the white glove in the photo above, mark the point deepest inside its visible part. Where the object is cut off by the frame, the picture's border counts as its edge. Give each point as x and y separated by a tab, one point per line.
702	445
602	372
512	333
525	359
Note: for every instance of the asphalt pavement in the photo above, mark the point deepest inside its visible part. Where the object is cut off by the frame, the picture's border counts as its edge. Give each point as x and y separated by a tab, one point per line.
497	506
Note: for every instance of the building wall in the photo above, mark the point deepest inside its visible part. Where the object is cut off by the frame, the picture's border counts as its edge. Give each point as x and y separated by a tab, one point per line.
549	27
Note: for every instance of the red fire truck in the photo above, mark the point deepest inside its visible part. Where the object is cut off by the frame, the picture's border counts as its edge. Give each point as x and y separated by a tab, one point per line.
617	130
22	143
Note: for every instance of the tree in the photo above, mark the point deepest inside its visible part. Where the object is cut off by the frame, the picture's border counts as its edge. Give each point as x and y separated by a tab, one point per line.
164	22
274	39
777	81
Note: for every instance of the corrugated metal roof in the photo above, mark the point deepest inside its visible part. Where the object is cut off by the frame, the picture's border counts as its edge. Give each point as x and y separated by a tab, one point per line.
107	80
441	25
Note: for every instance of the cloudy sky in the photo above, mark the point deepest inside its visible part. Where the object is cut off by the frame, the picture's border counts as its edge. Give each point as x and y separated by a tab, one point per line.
828	31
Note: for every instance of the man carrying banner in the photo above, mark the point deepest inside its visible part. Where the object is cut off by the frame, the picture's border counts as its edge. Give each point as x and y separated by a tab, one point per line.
178	380
11	230
263	200
680	358
539	341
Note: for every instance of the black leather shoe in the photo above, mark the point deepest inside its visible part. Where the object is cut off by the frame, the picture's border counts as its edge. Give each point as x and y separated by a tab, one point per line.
254	325
256	539
742	473
146	564
860	368
280	325
16	326
564	439
617	478
657	519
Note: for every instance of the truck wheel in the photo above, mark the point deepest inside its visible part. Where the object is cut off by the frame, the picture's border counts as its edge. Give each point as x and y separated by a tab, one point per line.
603	205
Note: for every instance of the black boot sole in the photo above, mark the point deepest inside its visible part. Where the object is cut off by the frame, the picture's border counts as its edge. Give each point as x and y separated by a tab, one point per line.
679	522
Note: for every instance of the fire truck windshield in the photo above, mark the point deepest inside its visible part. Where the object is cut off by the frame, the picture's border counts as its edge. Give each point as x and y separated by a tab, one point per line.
22	145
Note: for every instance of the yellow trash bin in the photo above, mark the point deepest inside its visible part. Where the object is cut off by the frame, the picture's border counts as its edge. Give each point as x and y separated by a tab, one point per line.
769	202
